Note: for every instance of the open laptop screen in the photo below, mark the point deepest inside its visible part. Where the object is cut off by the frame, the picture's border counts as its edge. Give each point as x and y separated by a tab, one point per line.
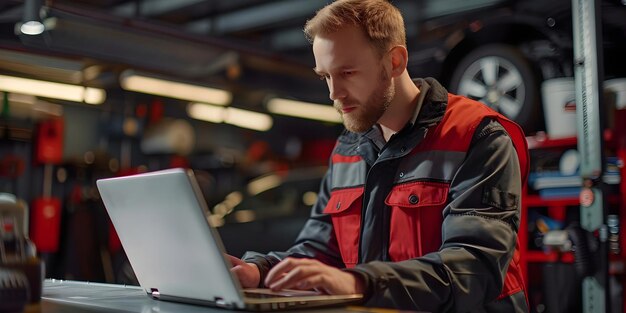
161	219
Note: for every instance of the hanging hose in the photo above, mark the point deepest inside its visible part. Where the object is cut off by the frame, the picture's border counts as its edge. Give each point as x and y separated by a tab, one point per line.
583	260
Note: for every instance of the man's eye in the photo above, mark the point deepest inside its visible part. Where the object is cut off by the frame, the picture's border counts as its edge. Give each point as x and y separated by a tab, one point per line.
348	73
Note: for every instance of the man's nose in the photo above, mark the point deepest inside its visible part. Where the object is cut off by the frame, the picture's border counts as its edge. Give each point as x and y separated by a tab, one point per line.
336	90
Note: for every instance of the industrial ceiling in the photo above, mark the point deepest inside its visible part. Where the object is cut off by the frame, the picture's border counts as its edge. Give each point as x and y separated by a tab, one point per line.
239	43
251	47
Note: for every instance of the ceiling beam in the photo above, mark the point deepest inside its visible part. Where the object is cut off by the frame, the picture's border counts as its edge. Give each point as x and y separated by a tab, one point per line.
257	16
152	7
12	14
445	7
292	38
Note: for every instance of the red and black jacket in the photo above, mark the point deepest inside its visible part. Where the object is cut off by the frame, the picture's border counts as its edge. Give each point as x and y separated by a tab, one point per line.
430	220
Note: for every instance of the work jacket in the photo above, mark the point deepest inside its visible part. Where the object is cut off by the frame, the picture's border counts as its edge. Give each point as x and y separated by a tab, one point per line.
429	220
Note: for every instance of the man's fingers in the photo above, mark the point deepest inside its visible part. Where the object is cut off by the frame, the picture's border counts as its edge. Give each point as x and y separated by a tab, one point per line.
280	269
316	282
293	277
312	274
235	260
247	273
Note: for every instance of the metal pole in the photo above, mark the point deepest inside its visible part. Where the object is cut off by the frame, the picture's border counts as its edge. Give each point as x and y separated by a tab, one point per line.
588	79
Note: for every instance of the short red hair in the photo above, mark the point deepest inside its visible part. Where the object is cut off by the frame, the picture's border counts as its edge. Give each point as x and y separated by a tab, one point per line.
380	21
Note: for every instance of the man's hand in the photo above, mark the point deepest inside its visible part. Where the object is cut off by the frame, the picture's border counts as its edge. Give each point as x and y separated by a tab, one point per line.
294	273
248	273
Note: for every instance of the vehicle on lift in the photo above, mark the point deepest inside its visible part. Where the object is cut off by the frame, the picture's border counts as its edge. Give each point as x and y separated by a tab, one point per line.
269	213
499	52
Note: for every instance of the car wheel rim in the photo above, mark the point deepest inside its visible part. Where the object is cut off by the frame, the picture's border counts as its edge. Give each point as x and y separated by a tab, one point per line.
496	82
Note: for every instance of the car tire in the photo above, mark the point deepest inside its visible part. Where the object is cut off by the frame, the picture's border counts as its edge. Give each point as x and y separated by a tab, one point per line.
510	86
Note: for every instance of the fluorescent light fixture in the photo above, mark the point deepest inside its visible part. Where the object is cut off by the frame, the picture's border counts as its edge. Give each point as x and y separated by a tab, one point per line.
206	112
94	95
301	109
52	90
248	119
230	115
170	89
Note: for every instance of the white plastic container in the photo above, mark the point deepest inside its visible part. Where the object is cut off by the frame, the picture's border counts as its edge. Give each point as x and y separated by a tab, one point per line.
559	107
618	87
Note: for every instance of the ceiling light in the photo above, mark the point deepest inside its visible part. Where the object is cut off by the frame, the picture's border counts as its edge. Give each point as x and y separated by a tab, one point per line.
170	89
32	28
52	90
248	119
206	112
306	110
238	117
31	21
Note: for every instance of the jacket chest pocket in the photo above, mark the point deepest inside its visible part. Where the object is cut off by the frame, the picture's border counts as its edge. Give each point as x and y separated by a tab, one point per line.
416	217
344	207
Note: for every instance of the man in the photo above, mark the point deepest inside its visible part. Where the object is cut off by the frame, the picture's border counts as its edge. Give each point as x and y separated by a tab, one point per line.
420	206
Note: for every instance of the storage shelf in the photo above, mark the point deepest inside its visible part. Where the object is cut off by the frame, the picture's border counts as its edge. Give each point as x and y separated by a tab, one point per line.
542	141
558	209
537	201
540	256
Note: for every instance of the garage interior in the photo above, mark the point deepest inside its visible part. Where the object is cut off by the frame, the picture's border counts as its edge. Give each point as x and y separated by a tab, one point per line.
107	88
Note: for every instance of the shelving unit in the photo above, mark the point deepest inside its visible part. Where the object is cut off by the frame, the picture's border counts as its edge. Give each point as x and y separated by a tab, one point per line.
535	261
556	209
559	209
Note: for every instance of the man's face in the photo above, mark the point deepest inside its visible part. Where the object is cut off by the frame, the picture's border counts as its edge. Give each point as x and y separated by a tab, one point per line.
359	84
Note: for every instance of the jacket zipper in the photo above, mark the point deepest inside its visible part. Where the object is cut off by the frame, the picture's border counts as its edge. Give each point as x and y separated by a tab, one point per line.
365	200
384	236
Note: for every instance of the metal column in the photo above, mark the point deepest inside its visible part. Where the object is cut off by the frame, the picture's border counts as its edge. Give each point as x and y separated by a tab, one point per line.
588	79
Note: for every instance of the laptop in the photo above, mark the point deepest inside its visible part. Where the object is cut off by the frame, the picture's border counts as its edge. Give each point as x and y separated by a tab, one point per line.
161	220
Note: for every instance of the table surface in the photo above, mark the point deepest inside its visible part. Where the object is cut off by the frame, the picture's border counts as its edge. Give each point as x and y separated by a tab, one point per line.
79	297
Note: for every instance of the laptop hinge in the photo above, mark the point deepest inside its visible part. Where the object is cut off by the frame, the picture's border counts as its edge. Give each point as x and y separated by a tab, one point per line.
154	293
220	302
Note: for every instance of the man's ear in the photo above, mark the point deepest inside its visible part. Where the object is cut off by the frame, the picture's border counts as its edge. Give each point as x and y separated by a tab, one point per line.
399	60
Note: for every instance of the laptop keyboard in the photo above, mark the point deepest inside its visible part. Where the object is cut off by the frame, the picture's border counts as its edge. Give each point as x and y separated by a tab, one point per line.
262	295
266	293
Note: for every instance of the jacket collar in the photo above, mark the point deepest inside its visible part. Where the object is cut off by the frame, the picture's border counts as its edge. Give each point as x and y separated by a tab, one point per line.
430	108
432	102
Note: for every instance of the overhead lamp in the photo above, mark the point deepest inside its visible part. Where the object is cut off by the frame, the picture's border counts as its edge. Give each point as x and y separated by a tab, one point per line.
302	109
52	90
234	116
183	91
248	119
31	20
263	183
205	112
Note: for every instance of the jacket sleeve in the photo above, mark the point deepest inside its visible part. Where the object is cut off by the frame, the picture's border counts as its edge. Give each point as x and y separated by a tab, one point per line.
316	239
479	234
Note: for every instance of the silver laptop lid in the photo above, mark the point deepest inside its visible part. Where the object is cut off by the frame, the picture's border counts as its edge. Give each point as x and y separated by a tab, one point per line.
160	218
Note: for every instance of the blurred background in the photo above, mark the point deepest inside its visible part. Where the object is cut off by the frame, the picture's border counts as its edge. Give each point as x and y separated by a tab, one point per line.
102	88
